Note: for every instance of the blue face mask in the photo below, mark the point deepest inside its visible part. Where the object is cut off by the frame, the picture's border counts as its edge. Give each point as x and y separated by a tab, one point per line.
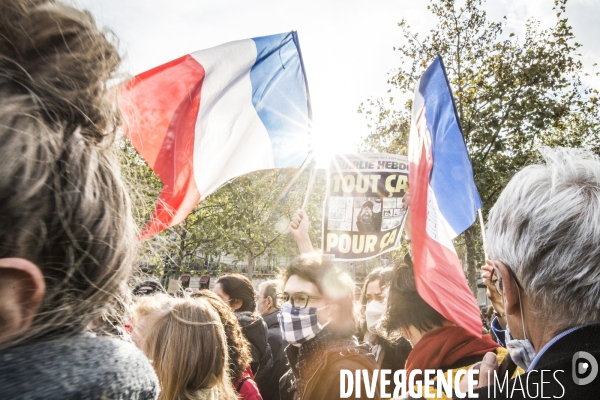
299	326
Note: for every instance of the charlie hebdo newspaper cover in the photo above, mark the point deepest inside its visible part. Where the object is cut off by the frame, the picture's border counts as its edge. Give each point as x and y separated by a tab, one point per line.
362	214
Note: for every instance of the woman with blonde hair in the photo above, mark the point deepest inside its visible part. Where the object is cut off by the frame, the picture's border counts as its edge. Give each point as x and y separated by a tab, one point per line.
67	237
186	342
240	355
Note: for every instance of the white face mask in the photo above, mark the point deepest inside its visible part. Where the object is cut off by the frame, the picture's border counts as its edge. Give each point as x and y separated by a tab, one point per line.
258	306
373	314
521	351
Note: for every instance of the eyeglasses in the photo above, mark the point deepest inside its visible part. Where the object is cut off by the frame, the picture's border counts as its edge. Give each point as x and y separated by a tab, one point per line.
299	300
497	282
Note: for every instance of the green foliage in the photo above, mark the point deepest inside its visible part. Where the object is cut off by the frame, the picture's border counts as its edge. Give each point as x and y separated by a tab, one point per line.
512	95
254	220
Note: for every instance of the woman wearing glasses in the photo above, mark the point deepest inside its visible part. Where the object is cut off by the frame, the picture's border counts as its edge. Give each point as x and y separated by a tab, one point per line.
317	320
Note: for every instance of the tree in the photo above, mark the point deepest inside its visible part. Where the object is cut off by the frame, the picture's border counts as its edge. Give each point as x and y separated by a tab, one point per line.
257	213
512	95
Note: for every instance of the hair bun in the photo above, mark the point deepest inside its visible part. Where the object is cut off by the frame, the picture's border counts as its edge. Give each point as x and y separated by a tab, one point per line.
59	57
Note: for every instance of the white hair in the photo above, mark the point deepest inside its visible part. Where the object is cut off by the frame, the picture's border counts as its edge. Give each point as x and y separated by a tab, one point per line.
545	226
271	288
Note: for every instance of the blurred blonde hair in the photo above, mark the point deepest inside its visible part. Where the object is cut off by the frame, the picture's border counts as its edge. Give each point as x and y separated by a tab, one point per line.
240	354
188	348
63	205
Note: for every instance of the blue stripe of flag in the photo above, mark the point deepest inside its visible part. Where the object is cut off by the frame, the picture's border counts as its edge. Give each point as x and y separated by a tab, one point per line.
452	174
280	96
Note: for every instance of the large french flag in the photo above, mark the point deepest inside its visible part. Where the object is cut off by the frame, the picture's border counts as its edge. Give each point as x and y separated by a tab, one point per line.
444	199
207	117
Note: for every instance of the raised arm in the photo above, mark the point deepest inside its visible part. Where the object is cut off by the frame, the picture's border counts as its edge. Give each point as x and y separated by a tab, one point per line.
299	229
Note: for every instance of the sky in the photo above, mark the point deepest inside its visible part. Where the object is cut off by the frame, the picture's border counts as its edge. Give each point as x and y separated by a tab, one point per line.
347	45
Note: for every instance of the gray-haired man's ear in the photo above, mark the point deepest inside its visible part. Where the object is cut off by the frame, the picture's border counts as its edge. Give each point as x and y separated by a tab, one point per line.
511	296
22	289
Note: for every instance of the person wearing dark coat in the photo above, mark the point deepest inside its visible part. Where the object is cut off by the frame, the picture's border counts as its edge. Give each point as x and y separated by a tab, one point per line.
268	306
236	290
557	365
255	330
542	246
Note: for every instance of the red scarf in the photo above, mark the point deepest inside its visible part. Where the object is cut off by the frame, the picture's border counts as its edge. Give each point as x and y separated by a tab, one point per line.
445	346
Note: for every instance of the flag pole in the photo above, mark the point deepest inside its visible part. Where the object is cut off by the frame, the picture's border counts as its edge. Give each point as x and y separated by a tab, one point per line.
311	181
482	232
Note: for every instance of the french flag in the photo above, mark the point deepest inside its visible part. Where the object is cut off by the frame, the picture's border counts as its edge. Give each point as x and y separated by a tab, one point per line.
444	199
210	116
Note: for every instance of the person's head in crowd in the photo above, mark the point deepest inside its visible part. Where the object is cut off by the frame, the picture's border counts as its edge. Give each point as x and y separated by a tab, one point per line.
406	312
313	286
389	354
437	343
267	297
148	288
237	291
186	342
238	346
372	298
67	236
543	238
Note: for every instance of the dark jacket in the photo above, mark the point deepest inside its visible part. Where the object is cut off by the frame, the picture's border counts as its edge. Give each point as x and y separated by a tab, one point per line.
556	364
79	367
393	354
280	366
316	365
255	330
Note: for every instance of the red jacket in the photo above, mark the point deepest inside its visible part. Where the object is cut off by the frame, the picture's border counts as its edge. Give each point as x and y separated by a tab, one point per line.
246	386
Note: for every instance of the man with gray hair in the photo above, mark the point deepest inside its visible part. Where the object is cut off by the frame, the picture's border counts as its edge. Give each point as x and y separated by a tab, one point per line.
268	306
543	243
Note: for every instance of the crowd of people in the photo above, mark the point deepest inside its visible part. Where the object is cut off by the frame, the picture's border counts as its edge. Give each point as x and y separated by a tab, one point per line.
71	327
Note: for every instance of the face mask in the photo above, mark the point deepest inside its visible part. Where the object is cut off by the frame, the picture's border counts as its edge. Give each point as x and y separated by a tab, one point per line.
258	305
373	314
299	326
521	350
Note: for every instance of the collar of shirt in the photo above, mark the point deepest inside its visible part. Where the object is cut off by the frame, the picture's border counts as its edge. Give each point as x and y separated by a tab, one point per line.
549	344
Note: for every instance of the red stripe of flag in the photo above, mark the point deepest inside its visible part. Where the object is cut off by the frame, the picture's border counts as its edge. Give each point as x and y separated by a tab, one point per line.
161	107
439	277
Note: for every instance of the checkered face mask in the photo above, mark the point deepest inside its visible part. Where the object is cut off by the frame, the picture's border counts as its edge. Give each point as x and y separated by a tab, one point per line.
299	326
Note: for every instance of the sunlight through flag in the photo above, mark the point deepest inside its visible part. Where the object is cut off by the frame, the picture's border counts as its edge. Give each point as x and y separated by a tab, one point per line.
443	199
210	116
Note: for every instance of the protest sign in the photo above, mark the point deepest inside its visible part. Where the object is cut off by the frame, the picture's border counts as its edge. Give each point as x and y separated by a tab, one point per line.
363	215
